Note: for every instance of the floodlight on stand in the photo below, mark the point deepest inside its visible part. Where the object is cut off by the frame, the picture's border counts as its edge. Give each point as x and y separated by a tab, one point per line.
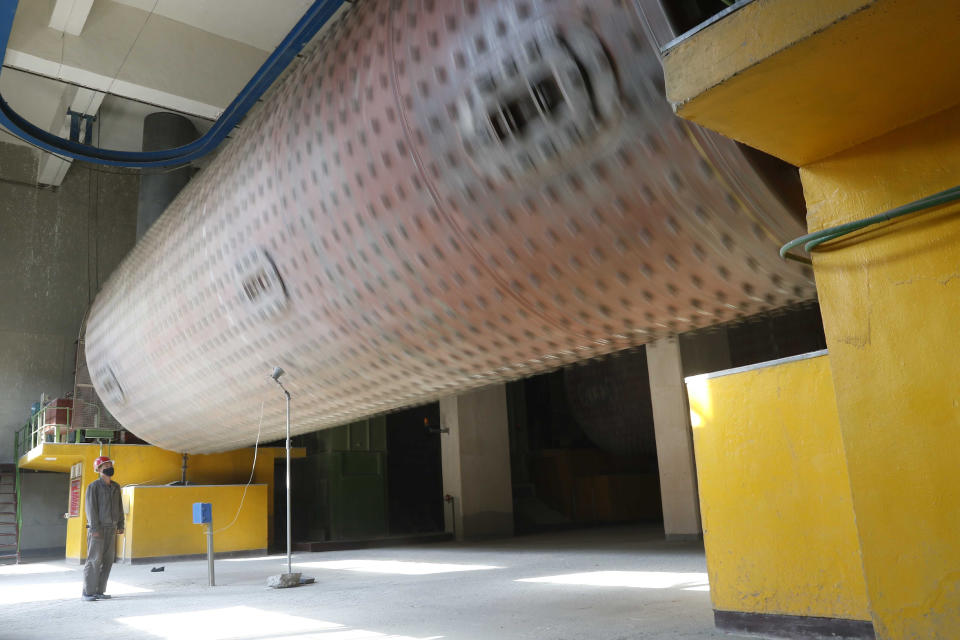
288	579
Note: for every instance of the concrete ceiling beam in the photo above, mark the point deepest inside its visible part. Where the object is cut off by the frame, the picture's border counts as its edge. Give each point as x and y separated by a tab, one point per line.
101	83
69	16
134	54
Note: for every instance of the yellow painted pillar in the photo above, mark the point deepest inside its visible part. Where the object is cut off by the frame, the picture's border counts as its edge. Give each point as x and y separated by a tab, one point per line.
890	300
864	96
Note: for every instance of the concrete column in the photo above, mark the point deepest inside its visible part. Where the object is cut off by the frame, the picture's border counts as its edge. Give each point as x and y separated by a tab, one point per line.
475	456
674	435
162	131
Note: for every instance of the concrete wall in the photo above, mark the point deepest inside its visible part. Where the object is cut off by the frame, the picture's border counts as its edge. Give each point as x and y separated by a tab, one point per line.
56	248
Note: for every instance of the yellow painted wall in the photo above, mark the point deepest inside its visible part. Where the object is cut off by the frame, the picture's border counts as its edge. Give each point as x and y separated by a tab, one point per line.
160	520
149	465
774	493
891	310
76	543
804	79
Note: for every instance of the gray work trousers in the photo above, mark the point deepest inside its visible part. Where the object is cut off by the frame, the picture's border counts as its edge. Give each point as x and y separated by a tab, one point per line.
101	552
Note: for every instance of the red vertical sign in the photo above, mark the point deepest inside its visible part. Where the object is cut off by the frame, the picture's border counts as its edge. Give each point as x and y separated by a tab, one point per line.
74	497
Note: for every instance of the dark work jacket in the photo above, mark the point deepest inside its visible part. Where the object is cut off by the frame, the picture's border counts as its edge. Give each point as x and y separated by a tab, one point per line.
103	505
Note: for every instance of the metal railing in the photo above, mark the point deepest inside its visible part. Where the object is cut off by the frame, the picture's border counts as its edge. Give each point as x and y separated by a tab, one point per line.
61	424
16	480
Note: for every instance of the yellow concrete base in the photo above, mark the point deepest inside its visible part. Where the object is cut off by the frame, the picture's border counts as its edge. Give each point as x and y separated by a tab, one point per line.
778	521
160	521
149	465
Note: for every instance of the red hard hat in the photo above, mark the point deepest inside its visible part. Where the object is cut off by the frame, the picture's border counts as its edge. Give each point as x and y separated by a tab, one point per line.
99	462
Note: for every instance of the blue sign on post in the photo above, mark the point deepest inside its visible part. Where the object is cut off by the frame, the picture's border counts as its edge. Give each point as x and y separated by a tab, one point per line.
202	513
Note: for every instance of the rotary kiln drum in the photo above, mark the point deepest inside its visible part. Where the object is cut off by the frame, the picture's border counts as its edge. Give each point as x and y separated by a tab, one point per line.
443	195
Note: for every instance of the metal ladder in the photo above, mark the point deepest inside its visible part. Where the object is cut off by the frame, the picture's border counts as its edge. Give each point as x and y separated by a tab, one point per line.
9	531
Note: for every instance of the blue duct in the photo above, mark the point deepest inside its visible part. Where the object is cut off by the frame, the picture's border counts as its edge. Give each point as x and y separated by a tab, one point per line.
311	22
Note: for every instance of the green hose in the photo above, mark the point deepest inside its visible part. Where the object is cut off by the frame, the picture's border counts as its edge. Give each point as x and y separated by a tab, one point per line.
813	240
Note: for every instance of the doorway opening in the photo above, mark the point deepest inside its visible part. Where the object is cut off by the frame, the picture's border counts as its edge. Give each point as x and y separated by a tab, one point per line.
583	451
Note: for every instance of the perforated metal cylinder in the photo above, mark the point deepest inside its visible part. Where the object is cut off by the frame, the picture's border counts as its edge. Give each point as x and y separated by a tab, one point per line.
443	195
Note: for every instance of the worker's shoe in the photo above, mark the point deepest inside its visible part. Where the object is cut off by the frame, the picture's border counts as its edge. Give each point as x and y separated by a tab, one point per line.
88	598
103	596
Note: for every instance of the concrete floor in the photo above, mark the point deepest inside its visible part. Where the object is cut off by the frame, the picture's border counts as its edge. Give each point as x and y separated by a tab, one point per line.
605	583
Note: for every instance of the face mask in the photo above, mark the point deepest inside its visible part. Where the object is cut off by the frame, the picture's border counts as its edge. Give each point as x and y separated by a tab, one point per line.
108	471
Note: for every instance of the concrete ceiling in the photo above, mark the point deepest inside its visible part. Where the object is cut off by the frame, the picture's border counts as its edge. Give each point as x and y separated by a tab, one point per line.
254	22
135	56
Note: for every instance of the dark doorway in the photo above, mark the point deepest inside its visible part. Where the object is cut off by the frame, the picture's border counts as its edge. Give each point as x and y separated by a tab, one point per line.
415	491
768	336
583	450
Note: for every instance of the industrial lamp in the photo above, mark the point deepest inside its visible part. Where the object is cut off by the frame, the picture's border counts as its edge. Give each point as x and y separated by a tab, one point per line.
289	580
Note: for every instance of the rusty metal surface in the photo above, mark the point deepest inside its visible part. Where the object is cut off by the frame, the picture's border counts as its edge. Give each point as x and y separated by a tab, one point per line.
443	195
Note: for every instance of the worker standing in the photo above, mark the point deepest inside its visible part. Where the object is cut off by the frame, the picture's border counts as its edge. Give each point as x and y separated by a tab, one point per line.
104	521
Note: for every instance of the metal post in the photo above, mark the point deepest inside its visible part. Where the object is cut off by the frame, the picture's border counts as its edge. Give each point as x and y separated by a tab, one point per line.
289	564
277	372
210	554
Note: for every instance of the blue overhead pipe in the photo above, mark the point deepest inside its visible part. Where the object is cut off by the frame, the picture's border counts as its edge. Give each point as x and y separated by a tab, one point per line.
307	27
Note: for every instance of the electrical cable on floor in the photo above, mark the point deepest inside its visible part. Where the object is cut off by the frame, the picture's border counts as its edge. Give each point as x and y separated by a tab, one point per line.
815	239
256	447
